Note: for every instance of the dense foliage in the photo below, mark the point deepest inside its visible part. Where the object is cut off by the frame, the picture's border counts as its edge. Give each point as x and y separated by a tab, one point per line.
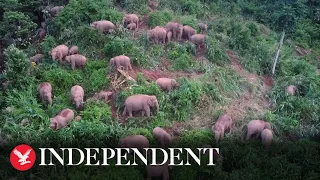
211	83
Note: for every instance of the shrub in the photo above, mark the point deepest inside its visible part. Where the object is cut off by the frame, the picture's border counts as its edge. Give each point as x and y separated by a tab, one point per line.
25	106
85	12
96	111
215	51
159	18
16	28
97	80
17	70
127	47
135	6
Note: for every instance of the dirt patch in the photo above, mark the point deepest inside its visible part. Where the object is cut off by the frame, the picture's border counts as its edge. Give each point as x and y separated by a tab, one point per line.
301	51
251	77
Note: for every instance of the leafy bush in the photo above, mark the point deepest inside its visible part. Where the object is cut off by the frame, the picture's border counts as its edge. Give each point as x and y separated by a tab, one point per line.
97	80
17	68
127	47
16	28
96	111
215	51
135	6
159	18
85	12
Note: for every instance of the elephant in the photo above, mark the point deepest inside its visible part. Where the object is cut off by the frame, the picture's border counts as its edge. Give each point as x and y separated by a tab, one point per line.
56	10
45	91
104	95
130	18
256	126
188	31
60	52
140	102
73	50
42	33
134	141
77	60
132	26
223	123
198	39
203	27
159	171
103	26
153	4
78	118
266	138
77	96
166	83
176	29
161	136
157	35
62	119
291	90
121	60
36	58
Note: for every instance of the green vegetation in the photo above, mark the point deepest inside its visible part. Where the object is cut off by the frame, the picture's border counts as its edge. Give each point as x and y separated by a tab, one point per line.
229	76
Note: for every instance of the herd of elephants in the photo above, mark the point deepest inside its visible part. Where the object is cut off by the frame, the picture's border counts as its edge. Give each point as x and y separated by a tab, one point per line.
138	102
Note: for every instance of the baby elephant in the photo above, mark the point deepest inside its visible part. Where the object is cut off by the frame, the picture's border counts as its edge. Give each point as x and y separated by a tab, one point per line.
73	50
77	95
104	95
140	102
223	123
56	10
266	137
203	27
256	126
60	52
134	141
36	58
162	137
77	60
62	119
291	90
132	26
166	83
159	171
121	61
45	91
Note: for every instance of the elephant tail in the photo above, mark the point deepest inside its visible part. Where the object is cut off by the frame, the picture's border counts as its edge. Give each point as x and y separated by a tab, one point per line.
124	111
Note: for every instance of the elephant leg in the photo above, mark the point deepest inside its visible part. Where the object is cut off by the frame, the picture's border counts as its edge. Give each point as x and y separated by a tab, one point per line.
60	57
248	136
230	128
257	135
124	111
130	66
147	110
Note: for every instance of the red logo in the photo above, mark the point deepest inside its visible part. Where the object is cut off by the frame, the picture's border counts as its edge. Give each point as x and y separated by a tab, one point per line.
22	157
